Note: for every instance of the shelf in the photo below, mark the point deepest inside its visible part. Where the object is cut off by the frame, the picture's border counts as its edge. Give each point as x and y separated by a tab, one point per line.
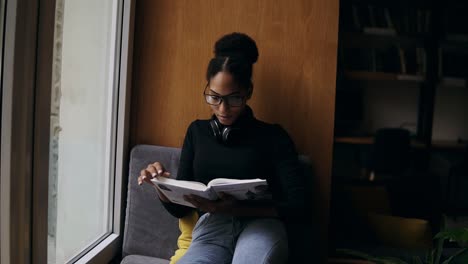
370	140
453	46
457	38
382	76
392	3
355	140
436	144
453	82
430	43
385	39
450	145
379	31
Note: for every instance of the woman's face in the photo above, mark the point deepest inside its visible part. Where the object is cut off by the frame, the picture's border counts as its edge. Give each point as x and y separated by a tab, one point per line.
222	84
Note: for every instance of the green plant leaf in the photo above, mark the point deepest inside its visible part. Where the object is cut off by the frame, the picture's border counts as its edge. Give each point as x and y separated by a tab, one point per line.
430	257
391	260
355	253
438	249
456	234
417	260
455	255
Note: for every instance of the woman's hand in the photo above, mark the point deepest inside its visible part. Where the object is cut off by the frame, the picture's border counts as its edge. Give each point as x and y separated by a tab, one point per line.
225	204
153	170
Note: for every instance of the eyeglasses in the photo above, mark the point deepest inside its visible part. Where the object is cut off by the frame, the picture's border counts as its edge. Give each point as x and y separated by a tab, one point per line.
231	100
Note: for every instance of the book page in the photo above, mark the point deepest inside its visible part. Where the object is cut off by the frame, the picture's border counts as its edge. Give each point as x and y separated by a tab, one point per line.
176	194
175	190
245	189
183	184
224	181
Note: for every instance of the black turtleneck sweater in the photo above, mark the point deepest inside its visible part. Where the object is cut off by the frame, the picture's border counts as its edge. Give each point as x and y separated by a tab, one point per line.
256	150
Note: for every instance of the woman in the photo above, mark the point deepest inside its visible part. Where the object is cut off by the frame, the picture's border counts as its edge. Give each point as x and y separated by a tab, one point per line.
234	144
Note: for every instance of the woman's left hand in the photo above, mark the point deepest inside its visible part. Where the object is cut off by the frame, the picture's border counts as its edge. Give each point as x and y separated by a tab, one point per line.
225	204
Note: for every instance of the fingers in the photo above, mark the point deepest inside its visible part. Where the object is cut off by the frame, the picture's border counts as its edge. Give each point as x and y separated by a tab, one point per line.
227	203
145	176
201	203
158	168
151	171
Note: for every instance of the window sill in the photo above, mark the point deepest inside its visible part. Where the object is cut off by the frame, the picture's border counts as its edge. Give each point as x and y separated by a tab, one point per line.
103	252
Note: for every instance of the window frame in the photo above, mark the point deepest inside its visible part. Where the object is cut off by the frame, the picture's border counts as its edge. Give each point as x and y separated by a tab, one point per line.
25	132
17	130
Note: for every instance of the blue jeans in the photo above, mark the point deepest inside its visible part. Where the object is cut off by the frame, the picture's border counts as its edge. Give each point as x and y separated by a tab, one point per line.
219	239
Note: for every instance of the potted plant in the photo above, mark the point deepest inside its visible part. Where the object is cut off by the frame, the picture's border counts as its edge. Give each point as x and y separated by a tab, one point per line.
458	235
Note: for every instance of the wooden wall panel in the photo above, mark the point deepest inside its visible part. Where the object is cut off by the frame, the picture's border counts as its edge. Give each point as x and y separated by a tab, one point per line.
294	79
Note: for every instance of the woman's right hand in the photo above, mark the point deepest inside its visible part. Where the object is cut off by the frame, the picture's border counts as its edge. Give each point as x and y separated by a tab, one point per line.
153	170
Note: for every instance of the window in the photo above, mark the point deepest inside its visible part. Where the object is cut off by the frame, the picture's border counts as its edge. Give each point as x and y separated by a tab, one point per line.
64	133
83	124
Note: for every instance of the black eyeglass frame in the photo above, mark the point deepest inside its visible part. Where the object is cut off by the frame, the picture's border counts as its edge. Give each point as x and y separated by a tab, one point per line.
224	98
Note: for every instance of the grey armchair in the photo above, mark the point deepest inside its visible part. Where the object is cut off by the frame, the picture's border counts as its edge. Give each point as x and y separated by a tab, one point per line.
150	232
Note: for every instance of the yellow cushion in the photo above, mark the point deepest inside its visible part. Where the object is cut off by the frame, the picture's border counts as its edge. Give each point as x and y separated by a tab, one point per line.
186	225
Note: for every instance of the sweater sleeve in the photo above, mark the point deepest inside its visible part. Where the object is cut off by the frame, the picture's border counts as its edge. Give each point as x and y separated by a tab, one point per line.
289	175
185	172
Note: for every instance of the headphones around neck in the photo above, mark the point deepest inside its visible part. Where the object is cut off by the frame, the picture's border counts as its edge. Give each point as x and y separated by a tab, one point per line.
224	134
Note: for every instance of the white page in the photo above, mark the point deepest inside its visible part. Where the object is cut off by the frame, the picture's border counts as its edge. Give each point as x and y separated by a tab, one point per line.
184	184
176	194
224	181
249	190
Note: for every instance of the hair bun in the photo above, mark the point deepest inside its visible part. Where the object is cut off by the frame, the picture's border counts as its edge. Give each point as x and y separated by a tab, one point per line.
237	45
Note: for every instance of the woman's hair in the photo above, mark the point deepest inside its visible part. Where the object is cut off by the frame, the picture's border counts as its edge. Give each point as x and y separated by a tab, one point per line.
235	53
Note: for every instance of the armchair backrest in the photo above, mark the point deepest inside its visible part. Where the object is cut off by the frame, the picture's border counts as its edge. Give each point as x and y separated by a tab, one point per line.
149	229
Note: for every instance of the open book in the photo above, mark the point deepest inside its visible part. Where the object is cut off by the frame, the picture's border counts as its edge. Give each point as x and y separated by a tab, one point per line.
174	190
